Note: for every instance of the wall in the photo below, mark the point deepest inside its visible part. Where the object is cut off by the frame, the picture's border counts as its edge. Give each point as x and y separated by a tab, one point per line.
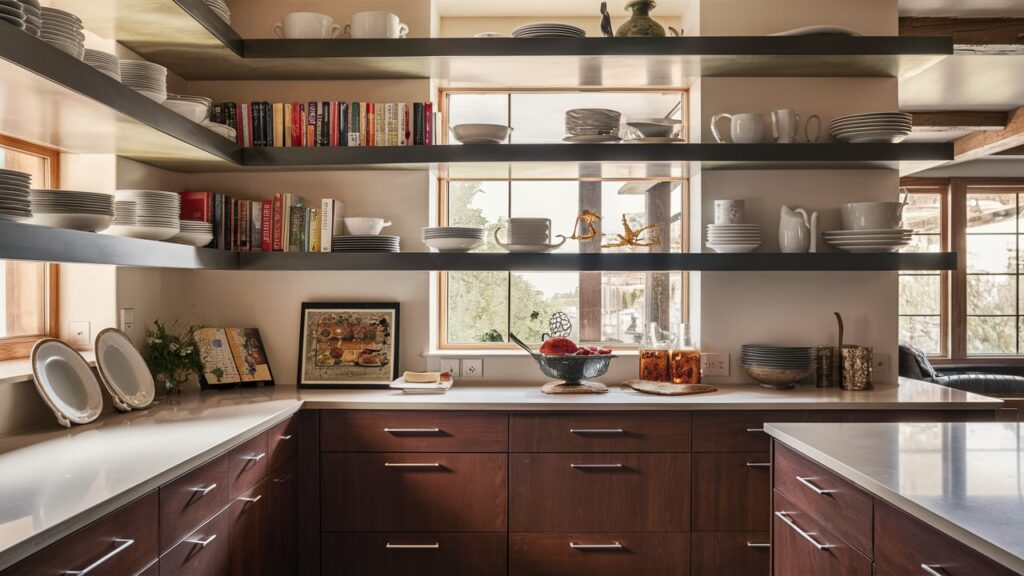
256	18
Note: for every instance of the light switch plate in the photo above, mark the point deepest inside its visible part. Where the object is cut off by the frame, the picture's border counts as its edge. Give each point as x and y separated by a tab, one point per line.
882	363
714	364
450	365
79	335
472	368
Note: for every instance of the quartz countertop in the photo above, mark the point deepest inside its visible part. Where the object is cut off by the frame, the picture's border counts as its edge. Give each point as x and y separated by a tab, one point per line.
55	481
964	479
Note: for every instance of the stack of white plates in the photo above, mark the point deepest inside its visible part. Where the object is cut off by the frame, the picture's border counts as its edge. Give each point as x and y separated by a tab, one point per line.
157	214
63	30
453	238
220	8
87	211
106	63
592	125
125	213
872	127
355	243
33	15
195	108
12	13
146	78
194	233
870	240
548	30
734	238
14	196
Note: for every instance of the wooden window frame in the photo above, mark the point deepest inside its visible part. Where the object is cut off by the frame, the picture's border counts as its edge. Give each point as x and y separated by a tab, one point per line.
18	347
940	187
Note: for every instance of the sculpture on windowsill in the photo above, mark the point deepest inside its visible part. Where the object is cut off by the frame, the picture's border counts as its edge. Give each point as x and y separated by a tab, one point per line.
631	238
584	228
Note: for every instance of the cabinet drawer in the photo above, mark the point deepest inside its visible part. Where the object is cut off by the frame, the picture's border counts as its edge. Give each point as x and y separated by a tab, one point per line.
730	554
247	464
122	542
608	554
731	492
415	554
841	506
803	545
588	492
413	431
192	499
414	492
282	443
247	520
204	552
607	432
903	545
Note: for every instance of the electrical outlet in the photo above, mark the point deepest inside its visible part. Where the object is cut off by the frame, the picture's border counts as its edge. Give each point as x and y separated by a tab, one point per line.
882	364
79	335
451	366
714	364
127	324
472	368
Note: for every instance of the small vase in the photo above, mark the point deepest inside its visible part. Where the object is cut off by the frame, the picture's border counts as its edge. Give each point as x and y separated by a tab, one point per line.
166	386
641	23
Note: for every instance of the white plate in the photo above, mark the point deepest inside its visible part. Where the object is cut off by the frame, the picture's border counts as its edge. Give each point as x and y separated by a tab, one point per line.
890	114
887	137
66	382
83	222
197	239
591	139
862	249
13	21
871	231
143	232
733	226
123	371
733	248
653	140
809	30
454	244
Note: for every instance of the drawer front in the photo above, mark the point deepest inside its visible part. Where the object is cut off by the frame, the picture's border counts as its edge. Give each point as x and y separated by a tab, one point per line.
802	545
247	517
415	554
192	499
247	464
411	492
282	443
730	554
840	505
586	492
122	542
608	554
608	432
151	570
903	545
204	552
412	431
731	492
877	571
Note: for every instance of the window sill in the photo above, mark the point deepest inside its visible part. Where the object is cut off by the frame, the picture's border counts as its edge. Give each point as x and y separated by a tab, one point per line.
20	370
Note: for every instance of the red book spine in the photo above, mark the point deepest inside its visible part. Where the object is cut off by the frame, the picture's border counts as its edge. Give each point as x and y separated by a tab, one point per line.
195	206
278	224
266	226
296	134
428	123
311	124
239	123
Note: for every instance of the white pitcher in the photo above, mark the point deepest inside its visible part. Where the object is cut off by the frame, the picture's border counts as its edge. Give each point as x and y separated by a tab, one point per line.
785	124
798	232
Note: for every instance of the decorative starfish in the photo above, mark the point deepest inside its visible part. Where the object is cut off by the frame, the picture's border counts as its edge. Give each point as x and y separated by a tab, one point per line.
585	221
631	237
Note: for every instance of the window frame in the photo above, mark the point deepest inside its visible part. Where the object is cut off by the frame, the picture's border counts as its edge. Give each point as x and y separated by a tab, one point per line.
938	186
19	347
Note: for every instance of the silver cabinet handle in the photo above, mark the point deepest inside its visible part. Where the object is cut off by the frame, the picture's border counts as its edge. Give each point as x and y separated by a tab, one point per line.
759	464
758	545
286	437
203	543
807	482
755	429
255	457
932	570
809	536
251	500
122	545
596	431
284	478
612	546
433	546
413	430
597	466
412	464
204	491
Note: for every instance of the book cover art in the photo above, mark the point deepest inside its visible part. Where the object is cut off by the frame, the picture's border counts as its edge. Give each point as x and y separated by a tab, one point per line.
216	358
248	354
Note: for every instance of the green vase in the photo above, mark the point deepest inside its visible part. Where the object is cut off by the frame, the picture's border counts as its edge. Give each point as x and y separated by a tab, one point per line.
641	23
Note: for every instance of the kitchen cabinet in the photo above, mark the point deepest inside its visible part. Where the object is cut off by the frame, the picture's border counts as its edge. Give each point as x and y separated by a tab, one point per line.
731	492
609	554
415	554
804	545
247	518
281	543
731	553
600	432
204	552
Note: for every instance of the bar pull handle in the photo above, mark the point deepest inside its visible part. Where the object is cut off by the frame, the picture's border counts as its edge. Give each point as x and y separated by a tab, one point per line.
286	437
596	431
809	536
255	457
122	545
755	429
203	543
585	547
933	570
283	479
817	490
597	466
759	464
412	464
758	545
204	491
251	500
433	546
413	430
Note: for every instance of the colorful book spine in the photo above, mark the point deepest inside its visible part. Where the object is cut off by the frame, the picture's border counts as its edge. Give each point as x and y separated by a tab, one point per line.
196	206
277	224
278	125
296	226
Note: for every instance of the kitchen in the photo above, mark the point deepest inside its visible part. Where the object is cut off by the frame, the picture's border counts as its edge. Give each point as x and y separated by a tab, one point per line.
279	255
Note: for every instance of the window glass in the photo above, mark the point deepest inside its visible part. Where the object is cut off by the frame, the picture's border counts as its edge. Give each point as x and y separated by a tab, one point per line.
992	261
920	298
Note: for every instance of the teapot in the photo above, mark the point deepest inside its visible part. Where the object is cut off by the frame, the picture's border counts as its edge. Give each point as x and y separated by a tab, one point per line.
798	232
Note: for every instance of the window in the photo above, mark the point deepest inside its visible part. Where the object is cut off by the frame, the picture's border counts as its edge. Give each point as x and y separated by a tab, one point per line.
28	309
480	309
923	294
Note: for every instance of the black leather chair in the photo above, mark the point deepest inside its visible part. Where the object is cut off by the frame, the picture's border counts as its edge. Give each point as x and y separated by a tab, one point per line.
914	364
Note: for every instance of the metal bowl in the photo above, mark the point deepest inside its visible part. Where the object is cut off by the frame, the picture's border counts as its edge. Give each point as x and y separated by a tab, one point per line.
573	370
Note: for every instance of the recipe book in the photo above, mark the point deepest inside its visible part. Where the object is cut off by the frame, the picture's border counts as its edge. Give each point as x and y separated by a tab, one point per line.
232	356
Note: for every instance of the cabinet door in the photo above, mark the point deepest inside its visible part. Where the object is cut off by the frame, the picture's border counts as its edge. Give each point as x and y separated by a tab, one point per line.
247	515
205	552
731	492
599	554
802	545
600	432
730	554
414	554
281	525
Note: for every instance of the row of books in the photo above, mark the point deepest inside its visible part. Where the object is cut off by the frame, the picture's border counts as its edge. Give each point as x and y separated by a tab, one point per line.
283	224
315	124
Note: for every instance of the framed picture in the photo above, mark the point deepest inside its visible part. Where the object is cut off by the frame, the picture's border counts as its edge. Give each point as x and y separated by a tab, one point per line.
348	345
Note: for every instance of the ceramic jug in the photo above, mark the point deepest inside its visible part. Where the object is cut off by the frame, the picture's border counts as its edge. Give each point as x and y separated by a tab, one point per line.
798	232
641	23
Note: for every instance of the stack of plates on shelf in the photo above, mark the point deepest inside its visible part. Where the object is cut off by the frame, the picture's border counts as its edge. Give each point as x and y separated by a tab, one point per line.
12	13
548	30
194	233
355	243
222	129
453	238
14	196
106	63
157	214
889	127
195	108
86	211
33	16
870	240
63	30
777	366
146	78
734	238
220	8
592	125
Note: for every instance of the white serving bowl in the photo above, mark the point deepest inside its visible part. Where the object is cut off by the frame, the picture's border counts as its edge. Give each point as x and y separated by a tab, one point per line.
83	222
143	232
365	226
194	111
872	215
481	133
198	239
655	127
454	244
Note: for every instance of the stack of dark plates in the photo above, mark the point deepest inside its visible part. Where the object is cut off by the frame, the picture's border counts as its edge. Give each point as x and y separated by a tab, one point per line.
548	30
104	62
355	243
777	367
220	8
15	205
33	16
63	30
592	125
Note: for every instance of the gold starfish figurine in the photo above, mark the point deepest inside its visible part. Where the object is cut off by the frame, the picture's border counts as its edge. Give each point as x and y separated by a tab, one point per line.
585	229
631	237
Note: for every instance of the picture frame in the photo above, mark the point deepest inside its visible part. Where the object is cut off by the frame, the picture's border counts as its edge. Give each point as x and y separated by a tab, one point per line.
348	344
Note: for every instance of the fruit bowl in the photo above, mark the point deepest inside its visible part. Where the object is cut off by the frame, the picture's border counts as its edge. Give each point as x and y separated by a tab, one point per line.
572	373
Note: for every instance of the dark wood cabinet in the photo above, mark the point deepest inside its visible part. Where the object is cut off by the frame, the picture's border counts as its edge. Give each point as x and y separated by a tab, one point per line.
204	552
731	492
600	432
730	554
281	520
415	554
282	443
803	545
413	431
191	499
608	554
247	518
247	464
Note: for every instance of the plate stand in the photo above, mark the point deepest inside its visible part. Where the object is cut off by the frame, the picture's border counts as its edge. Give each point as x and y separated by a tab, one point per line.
583	387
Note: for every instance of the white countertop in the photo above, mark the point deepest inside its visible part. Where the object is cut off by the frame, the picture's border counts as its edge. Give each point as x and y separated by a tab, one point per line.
965	479
56	481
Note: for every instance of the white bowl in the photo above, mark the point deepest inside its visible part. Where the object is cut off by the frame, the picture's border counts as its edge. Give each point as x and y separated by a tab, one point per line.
365	226
192	110
872	215
83	222
454	244
481	133
143	232
198	239
655	127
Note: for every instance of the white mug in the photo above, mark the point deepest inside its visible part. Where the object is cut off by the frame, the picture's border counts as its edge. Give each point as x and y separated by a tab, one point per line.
529	230
746	128
785	124
307	25
729	211
376	25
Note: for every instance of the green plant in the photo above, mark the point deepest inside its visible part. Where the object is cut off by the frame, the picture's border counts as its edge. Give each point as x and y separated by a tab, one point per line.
172	354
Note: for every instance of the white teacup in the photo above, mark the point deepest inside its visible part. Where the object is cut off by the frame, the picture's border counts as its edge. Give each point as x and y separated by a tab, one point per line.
376	25
872	215
729	211
746	128
365	226
307	25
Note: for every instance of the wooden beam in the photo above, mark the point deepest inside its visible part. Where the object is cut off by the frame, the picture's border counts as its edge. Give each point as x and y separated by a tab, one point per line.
987	143
1016	151
971	35
959	121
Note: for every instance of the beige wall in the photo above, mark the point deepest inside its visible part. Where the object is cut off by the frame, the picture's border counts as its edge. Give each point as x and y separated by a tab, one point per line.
753	17
256	18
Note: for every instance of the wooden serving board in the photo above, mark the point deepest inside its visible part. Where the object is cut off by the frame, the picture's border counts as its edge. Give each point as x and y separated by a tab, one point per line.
668	389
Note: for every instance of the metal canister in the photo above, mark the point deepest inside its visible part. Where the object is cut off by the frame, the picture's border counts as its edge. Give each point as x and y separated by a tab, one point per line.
826	367
855	368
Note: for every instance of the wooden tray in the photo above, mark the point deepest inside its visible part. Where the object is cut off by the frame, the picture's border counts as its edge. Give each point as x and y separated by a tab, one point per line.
667	389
